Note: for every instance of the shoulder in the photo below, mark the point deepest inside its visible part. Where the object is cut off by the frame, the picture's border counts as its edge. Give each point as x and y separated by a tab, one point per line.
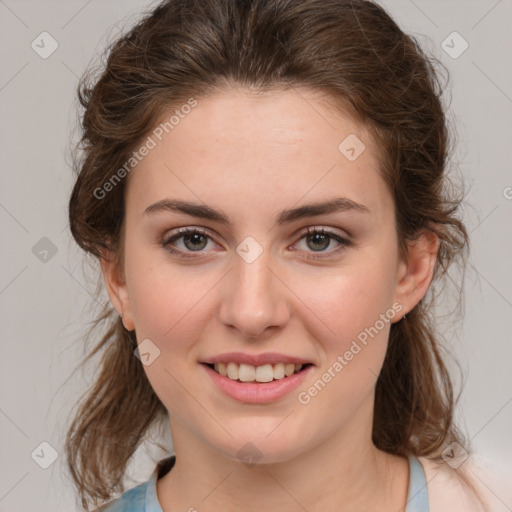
132	500
143	497
471	487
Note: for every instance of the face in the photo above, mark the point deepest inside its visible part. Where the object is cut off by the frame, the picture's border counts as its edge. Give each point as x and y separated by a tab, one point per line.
253	280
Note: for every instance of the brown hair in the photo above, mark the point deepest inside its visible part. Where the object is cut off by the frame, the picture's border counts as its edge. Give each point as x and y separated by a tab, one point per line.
354	53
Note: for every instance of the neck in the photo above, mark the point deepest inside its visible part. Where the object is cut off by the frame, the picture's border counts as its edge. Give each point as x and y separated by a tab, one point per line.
357	477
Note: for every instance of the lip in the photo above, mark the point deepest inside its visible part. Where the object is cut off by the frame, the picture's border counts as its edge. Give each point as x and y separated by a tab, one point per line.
254	392
254	359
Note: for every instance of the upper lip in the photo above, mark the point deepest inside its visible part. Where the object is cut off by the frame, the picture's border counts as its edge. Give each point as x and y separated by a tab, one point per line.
254	359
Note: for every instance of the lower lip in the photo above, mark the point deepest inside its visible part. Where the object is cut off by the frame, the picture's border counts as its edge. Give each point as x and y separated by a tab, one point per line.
254	392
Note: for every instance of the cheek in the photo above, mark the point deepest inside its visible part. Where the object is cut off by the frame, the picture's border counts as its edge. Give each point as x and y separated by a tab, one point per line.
165	300
168	310
353	311
357	309
346	301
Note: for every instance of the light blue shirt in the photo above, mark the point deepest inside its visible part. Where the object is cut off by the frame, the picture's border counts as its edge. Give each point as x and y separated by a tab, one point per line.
143	498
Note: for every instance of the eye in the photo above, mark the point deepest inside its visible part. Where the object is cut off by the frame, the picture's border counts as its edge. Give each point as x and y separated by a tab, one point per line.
194	240
319	239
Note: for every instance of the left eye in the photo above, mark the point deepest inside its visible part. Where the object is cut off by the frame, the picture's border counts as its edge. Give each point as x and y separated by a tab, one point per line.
322	240
196	239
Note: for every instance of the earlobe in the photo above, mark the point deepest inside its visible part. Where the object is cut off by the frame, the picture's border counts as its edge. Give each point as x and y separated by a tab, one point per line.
116	288
415	274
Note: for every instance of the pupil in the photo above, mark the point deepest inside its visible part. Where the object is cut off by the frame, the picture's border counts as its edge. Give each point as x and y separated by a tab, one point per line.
323	237
195	237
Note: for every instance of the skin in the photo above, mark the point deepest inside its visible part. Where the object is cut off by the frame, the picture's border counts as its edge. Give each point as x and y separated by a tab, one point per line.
252	156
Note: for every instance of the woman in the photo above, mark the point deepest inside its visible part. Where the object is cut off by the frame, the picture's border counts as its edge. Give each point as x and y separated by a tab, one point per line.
263	184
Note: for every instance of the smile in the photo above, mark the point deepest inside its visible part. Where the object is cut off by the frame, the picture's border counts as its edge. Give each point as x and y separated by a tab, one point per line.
251	373
251	390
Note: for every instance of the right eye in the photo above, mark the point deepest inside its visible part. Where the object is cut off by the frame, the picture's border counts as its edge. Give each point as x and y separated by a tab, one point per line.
193	240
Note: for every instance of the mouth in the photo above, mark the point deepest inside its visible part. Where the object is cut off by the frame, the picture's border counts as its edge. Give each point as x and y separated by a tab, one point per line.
258	384
257	374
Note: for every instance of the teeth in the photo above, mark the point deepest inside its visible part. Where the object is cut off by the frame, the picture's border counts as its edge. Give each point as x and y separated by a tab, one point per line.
221	368
264	373
246	372
250	373
232	370
278	371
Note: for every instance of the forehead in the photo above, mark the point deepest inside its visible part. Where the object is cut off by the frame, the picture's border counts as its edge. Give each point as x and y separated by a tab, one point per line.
257	151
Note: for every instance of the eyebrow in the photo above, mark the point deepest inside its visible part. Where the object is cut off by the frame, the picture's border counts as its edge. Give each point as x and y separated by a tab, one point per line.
341	204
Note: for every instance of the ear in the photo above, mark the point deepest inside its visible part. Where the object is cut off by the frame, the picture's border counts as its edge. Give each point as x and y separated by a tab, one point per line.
116	288
415	275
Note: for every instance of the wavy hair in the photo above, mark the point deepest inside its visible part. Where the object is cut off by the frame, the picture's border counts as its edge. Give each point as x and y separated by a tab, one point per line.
357	56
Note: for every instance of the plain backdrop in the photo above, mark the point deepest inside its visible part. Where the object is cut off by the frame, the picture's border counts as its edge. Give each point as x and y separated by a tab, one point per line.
47	293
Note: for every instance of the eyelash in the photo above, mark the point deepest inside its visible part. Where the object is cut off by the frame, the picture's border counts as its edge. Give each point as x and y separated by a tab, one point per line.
344	243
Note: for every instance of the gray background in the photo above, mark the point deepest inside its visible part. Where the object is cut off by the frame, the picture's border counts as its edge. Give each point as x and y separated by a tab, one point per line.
45	305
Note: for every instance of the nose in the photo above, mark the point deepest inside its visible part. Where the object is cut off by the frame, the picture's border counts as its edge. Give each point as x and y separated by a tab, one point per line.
255	298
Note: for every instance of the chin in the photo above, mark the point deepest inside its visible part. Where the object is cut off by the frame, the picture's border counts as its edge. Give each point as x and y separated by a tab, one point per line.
253	448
